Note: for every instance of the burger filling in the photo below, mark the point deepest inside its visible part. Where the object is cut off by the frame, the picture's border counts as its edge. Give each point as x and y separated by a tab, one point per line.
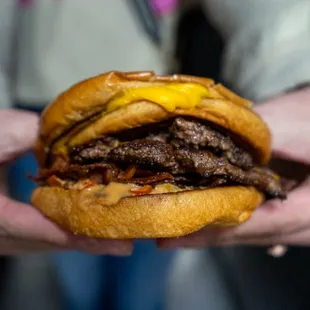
187	153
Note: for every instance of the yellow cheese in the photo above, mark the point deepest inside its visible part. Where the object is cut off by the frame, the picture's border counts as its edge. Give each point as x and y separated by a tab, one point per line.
170	96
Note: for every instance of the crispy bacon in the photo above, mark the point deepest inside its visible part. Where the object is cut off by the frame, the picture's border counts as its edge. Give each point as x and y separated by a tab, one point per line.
76	171
101	173
128	173
159	177
54	181
87	184
146	189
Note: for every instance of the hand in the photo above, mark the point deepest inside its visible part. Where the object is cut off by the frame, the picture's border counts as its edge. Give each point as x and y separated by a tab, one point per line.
275	222
24	229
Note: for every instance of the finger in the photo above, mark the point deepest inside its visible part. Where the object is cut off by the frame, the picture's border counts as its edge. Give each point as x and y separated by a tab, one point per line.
205	237
22	222
272	222
276	217
294	148
289	140
102	246
18	132
9	246
300	238
13	246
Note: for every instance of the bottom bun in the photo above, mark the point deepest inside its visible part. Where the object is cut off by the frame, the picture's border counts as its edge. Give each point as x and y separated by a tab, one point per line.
147	216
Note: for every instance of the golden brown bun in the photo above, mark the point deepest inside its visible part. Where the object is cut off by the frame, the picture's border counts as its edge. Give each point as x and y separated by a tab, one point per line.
148	216
91	95
223	108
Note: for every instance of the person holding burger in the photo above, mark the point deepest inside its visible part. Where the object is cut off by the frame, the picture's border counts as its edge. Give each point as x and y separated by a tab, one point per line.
25	229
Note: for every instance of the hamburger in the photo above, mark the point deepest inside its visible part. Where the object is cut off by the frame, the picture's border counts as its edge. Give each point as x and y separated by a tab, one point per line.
138	155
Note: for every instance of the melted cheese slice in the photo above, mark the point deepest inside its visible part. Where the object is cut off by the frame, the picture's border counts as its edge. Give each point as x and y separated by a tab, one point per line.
169	96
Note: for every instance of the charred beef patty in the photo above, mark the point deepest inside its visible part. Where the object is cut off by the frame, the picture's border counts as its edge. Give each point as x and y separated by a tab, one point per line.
185	152
197	135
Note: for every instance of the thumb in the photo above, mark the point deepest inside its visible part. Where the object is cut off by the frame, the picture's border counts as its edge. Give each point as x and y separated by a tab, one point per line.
18	133
287	117
297	150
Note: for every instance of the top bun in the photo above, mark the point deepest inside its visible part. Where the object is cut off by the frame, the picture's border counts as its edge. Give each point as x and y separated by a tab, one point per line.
90	97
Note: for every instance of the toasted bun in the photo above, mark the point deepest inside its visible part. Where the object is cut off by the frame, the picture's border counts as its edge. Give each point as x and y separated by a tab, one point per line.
90	97
148	216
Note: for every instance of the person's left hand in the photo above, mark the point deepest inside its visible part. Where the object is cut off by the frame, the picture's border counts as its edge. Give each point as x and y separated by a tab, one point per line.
275	222
24	229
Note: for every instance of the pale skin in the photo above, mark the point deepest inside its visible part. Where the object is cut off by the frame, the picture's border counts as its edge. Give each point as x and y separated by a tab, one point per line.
275	222
23	229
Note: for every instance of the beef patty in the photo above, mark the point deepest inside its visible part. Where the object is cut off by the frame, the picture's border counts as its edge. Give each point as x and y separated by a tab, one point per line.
185	152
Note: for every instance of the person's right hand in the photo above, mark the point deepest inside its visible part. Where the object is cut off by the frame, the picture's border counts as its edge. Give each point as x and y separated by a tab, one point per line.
275	222
24	229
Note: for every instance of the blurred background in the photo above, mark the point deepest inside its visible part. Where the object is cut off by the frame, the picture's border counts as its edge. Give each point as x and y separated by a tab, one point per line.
45	47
